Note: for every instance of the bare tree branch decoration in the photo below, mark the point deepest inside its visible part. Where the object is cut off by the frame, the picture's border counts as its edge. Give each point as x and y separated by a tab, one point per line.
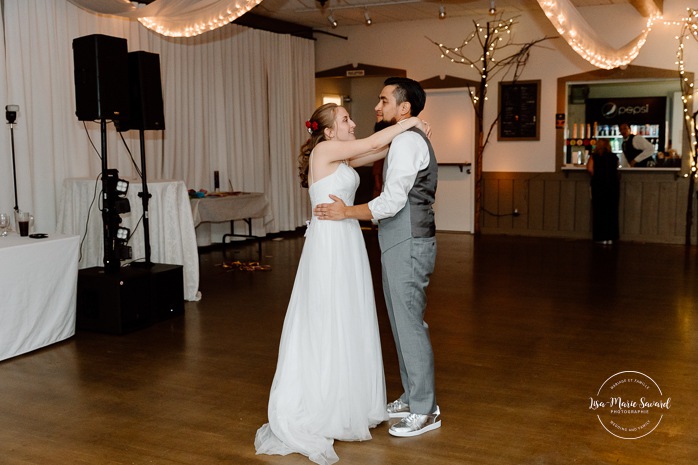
489	39
689	29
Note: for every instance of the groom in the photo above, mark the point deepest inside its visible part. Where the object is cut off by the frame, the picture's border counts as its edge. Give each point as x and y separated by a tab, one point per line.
406	234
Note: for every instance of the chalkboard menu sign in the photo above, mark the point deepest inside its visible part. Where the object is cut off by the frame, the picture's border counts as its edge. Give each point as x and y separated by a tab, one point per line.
519	110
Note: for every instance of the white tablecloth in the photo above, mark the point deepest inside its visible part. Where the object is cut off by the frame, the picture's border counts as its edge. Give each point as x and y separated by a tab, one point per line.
38	288
241	206
172	236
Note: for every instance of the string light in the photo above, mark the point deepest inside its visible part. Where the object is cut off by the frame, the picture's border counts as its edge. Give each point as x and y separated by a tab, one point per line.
491	38
689	28
442	12
177	27
584	40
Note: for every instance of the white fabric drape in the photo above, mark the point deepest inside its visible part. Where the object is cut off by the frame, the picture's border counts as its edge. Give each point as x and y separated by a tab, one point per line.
235	100
174	18
7	199
580	35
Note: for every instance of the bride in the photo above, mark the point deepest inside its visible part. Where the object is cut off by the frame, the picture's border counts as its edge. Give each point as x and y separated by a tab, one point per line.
329	381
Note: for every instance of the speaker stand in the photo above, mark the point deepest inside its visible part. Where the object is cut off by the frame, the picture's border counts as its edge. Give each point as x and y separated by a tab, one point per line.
111	261
145	199
14	169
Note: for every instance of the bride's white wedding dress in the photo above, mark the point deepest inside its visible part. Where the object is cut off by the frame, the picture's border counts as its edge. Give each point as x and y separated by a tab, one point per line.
329	382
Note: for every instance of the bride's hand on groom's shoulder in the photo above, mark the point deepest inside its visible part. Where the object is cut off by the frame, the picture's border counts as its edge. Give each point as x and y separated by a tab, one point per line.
425	127
330	211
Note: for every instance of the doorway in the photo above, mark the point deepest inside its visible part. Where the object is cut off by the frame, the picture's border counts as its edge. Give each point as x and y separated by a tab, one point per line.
450	114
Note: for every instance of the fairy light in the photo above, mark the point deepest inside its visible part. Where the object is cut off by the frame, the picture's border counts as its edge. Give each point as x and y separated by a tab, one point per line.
490	40
584	40
689	29
229	12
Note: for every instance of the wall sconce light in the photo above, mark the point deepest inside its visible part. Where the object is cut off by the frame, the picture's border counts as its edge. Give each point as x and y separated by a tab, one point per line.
493	7
442	12
368	19
332	21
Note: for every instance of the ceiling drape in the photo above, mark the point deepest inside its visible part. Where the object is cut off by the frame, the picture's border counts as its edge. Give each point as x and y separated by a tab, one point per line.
584	40
174	18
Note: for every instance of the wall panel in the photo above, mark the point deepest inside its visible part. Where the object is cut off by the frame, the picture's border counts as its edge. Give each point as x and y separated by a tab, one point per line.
551	211
666	220
583	207
568	208
536	203
652	205
631	213
649	208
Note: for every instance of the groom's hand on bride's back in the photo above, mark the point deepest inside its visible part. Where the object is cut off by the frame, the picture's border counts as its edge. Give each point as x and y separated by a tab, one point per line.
331	211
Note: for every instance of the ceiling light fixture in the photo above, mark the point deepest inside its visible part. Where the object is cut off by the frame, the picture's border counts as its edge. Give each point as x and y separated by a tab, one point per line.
368	19
493	7
442	12
332	21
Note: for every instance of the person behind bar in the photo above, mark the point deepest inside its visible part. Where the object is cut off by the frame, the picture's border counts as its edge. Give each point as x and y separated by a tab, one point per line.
636	149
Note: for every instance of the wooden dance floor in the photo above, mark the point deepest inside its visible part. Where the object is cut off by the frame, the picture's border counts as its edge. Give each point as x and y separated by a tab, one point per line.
525	333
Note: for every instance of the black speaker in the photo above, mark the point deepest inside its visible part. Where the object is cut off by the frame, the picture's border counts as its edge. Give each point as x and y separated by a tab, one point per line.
131	298
167	285
115	302
101	78
145	90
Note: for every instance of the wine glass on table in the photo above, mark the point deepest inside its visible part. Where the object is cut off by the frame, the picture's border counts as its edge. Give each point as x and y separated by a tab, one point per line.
4	224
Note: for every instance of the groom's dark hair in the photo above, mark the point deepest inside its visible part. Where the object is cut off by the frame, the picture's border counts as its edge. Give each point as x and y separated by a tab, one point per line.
408	90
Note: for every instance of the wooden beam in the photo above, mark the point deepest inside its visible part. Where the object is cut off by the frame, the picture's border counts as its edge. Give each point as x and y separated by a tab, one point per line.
648	8
256	21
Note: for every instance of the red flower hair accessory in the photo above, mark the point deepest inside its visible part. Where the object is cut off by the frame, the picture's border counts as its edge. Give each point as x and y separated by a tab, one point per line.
312	126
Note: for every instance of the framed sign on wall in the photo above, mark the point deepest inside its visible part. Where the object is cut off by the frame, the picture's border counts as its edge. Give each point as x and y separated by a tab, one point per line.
519	111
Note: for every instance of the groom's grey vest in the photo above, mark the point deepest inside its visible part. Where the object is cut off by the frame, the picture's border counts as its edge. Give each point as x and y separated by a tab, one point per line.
416	219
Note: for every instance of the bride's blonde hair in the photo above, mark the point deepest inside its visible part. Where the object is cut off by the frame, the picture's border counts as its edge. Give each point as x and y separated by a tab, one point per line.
323	117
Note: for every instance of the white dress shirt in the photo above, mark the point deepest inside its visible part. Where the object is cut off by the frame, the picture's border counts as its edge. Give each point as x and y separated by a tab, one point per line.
408	155
640	143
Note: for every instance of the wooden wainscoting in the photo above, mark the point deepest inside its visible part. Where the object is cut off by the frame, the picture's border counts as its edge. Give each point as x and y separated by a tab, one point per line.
652	205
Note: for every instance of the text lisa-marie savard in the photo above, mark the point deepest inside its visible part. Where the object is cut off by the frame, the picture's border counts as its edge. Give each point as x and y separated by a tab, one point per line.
637	406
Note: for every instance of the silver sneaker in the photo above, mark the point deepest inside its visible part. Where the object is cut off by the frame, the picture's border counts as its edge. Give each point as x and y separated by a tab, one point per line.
415	424
398	409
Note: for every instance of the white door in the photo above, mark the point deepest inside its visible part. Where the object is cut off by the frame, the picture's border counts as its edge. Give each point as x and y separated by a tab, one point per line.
451	116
